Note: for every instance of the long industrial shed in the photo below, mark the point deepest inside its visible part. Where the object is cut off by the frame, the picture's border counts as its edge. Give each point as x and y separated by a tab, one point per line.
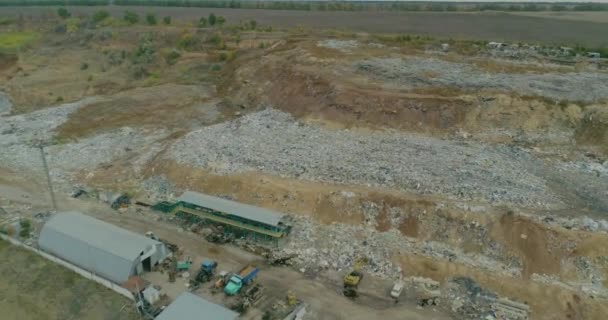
99	247
236	218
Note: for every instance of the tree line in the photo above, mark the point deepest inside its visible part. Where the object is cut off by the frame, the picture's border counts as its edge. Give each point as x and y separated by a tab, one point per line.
326	5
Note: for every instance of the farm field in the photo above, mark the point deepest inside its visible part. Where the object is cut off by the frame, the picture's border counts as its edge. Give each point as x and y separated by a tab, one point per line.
34	288
496	26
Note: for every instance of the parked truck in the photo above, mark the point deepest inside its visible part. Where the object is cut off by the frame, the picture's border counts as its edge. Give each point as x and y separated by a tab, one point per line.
240	279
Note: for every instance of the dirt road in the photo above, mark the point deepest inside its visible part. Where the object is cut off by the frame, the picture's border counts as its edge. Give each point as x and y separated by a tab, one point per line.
322	293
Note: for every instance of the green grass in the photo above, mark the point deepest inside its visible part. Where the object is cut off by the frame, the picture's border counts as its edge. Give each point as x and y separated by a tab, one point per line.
10	41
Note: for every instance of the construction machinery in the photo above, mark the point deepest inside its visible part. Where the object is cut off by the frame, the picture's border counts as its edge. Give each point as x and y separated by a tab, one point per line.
353	278
427	291
204	274
238	280
184	265
254	293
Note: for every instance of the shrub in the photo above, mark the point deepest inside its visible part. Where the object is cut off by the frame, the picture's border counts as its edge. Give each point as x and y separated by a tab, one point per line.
131	17
212	19
138	71
220	21
145	52
26	228
84	66
187	41
72	25
167	20
216	67
215	39
59	99
151	19
253	24
100	15
6	21
63	13
202	22
172	56
223	56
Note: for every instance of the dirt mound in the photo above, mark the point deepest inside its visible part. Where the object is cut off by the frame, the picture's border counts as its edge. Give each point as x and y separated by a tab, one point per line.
532	243
593	129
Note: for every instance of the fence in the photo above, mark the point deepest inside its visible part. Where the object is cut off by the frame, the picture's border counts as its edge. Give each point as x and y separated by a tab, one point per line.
87	274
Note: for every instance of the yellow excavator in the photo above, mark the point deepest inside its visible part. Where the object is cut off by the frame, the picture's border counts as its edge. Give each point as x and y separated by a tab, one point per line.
353	278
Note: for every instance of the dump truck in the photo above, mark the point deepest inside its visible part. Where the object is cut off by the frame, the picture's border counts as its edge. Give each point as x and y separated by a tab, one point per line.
238	280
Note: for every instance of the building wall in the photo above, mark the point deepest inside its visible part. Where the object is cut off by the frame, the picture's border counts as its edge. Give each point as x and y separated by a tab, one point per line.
84	273
93	259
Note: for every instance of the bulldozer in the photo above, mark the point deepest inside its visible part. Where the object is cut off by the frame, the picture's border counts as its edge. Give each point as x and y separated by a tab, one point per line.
353	278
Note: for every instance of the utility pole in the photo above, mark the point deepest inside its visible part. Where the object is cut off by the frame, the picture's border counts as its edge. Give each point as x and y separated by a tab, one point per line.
48	176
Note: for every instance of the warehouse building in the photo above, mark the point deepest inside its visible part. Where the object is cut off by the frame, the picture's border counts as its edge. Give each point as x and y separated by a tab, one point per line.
99	247
241	220
189	306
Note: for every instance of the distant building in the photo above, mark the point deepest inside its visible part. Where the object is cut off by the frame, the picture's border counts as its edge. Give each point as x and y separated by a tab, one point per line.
241	220
99	247
188	306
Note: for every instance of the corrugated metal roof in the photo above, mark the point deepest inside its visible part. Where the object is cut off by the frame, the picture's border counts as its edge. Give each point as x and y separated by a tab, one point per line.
100	234
188	306
242	210
94	245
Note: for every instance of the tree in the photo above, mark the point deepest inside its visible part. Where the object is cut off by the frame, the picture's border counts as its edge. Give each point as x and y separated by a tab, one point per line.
167	20
202	22
131	17
212	19
151	19
63	13
253	24
220	20
100	15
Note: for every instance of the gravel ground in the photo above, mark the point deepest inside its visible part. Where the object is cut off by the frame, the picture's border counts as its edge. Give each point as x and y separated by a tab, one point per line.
19	135
340	45
332	247
416	72
271	141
